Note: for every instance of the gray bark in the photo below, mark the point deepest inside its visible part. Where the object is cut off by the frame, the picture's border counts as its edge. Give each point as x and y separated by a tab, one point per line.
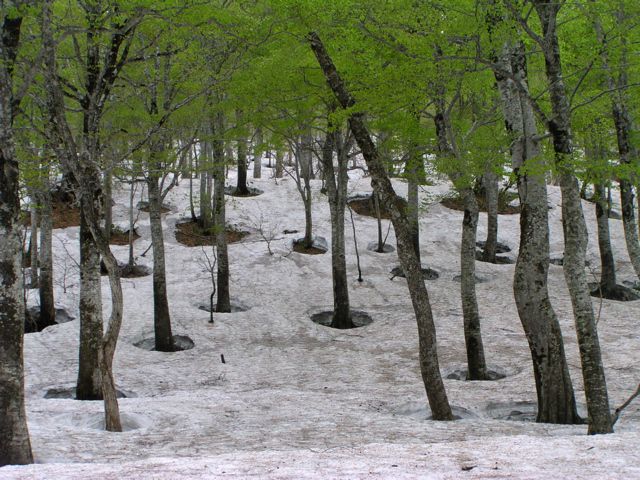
574	226
397	207
336	184
161	315
491	189
556	400
223	301
607	263
33	242
241	185
45	286
257	155
279	163
15	446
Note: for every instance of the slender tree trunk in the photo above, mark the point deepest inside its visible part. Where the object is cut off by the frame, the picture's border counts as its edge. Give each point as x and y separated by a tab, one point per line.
108	200
574	226
397	207
376	206
132	194
337	196
33	242
556	401
304	162
89	384
161	315
279	163
491	190
607	263
414	218
224	301
15	446
47	304
241	186
257	155
477	366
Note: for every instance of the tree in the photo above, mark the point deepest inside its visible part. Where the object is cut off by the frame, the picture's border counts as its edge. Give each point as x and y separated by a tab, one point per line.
15	446
397	207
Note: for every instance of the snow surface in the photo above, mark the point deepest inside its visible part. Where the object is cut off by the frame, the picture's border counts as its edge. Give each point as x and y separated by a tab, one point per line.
299	400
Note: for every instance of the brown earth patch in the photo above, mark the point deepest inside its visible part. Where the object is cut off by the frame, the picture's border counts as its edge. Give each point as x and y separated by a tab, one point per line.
191	234
366	206
456	203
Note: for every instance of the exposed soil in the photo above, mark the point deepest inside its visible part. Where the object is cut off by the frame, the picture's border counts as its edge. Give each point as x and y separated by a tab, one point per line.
318	247
427	273
144	207
63	215
126	271
619	293
70	393
386	248
500	247
462	374
358	318
180	343
366	206
235	307
500	259
33	324
190	233
456	203
251	192
121	237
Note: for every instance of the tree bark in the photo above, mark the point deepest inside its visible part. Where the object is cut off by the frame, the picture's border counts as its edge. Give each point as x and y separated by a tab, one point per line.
336	184
574	226
89	383
607	263
491	190
224	300
161	315
241	185
257	155
15	446
33	242
397	207
556	400
279	163
47	304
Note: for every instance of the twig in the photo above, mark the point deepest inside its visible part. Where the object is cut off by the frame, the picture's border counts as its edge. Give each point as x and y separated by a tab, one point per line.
619	410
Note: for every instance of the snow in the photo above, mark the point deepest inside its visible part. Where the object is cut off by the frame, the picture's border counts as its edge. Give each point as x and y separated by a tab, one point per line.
299	400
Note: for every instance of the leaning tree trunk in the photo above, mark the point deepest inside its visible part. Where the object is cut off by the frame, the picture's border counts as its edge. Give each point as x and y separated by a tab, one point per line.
491	190
89	385
15	446
574	226
161	315
429	365
224	301
337	196
556	400
47	305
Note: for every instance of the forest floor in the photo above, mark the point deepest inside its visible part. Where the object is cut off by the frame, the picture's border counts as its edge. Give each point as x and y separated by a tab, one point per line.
295	399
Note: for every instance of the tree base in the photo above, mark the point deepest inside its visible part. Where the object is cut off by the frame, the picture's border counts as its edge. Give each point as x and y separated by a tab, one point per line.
180	343
358	319
616	292
427	273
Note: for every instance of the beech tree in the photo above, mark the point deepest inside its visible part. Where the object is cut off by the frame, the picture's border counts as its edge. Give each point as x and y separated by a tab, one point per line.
15	446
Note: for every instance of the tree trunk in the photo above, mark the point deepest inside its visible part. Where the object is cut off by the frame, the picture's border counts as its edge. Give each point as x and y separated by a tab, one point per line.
161	315
414	218
257	155
279	163
556	401
224	301
477	366
15	446
304	158
241	185
89	384
491	190
337	196
376	206
397	207
108	200
574	226
607	263
47	304
33	242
